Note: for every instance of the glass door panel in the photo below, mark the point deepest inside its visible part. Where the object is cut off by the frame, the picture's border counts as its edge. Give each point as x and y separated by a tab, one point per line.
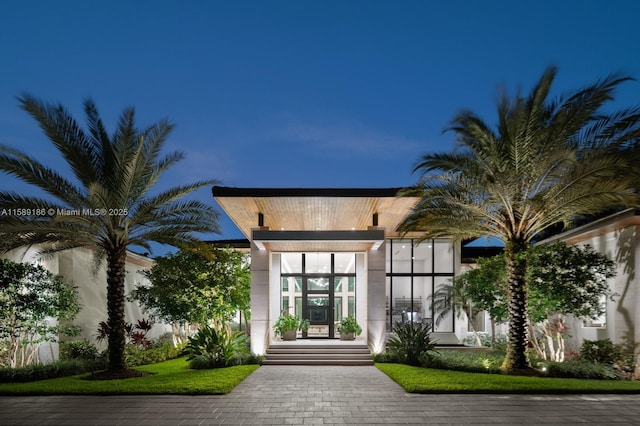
337	309
318	284
319	315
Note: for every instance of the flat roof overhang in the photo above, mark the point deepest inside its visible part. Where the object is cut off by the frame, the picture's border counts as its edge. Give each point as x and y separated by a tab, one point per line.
314	209
335	241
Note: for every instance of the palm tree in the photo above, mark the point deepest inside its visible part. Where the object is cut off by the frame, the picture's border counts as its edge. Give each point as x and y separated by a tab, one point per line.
110	196
548	162
452	297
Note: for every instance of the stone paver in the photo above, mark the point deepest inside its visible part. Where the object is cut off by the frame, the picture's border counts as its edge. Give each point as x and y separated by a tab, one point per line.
307	395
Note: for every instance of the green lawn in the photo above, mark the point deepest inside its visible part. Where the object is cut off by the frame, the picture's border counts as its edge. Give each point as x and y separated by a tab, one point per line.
169	377
428	380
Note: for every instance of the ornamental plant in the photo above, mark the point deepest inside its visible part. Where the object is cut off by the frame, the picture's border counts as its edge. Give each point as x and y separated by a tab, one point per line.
287	321
349	325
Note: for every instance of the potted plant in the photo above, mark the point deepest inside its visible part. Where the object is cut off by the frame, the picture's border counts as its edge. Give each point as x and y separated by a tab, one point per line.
287	326
349	328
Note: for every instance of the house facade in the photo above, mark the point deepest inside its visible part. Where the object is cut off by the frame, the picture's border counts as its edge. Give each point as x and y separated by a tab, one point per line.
325	254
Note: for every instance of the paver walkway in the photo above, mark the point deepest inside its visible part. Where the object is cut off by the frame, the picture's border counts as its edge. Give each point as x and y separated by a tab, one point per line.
321	395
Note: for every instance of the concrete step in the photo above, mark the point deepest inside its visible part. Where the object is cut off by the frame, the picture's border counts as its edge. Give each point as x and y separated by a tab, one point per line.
304	353
320	351
346	362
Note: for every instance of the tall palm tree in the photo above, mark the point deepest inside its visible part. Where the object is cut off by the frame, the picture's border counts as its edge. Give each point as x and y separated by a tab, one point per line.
110	193
548	162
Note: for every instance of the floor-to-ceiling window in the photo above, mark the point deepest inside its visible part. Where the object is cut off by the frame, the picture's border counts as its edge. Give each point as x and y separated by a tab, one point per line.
414	272
319	287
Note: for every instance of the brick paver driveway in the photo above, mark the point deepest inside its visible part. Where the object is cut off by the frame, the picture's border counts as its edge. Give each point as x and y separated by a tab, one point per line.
321	395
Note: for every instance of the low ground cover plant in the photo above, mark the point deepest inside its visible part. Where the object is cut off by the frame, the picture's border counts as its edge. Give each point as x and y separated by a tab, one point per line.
463	361
169	377
56	369
430	380
81	356
577	369
597	360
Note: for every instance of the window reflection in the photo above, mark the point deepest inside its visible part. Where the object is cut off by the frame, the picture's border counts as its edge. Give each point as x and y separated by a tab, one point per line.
413	270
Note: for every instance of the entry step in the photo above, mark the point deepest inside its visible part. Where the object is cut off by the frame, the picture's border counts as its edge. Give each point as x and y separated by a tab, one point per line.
318	354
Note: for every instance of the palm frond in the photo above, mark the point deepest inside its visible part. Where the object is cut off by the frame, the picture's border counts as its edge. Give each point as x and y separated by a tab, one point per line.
65	134
31	171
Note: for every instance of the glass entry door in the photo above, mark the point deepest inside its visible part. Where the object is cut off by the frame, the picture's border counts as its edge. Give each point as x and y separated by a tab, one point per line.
318	306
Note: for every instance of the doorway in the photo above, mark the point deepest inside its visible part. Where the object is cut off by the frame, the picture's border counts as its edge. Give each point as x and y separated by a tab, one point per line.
318	306
318	287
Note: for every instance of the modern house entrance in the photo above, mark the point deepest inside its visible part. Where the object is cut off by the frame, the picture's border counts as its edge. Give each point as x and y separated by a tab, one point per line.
324	254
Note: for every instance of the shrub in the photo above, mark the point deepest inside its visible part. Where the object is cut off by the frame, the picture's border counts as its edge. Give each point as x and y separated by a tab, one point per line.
602	351
135	355
410	341
463	361
389	357
212	348
60	368
575	369
78	349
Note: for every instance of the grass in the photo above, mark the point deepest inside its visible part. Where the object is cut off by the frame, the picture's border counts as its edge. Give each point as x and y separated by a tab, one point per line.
428	380
169	377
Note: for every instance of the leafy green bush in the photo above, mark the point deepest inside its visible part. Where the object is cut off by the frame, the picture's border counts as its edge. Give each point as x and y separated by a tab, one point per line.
463	361
135	355
349	325
410	341
78	349
576	369
211	348
388	357
60	368
287	322
602	351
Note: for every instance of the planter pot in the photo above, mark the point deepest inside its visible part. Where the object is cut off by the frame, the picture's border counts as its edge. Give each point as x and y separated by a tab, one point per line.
289	335
347	336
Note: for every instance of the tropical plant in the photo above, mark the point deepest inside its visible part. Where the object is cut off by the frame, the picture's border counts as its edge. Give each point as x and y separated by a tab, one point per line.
195	285
349	325
109	204
215	347
453	296
547	163
411	341
135	334
29	296
286	322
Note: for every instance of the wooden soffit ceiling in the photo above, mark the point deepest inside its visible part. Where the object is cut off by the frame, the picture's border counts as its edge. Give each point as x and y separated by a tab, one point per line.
319	209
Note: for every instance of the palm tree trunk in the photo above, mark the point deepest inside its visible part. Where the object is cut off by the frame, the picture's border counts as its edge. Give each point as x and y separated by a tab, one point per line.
115	307
516	358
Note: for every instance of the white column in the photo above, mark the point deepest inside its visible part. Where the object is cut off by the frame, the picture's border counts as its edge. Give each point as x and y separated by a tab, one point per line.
259	300
376	275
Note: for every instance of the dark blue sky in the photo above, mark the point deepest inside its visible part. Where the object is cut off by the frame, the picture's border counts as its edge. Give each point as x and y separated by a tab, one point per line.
300	93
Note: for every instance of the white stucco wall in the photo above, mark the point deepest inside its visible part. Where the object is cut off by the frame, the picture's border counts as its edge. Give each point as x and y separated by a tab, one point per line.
622	246
76	267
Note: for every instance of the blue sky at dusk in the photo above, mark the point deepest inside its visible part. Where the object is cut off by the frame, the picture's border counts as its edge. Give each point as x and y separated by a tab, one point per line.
300	93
